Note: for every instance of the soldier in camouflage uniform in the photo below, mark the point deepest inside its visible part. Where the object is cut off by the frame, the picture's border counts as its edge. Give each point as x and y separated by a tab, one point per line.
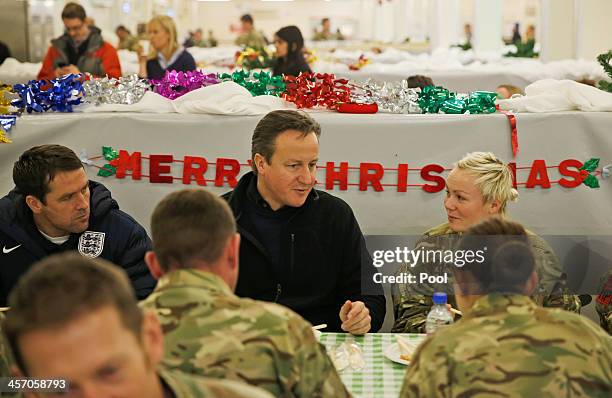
211	331
478	187
6	361
603	304
506	345
249	36
77	319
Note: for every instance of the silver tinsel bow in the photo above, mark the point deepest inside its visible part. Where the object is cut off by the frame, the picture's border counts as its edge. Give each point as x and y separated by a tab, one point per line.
126	90
390	97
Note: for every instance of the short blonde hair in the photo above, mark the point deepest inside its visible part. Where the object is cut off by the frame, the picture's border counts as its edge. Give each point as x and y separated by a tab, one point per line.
493	177
167	24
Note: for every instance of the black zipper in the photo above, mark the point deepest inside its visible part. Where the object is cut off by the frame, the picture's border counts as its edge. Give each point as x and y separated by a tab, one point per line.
279	287
292	251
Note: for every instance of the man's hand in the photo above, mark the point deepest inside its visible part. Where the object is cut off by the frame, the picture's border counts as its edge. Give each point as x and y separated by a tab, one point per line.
67	70
355	318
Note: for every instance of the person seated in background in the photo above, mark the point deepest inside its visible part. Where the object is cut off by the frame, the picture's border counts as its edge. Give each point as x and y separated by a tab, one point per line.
141	31
55	208
506	91
76	319
80	49
196	39
301	247
325	33
212	40
5	52
516	34
290	59
478	187
419	81
249	37
506	345
166	54
208	329
126	40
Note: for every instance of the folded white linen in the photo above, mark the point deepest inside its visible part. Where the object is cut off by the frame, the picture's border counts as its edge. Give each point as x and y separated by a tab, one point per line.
550	95
227	98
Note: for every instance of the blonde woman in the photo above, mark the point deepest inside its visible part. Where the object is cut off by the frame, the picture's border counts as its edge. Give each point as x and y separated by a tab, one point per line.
165	52
478	187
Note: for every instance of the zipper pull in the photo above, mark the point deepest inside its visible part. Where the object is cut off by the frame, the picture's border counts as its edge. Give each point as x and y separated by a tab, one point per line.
279	289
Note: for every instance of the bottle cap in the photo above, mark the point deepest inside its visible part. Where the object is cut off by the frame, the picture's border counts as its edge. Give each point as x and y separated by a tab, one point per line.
439	298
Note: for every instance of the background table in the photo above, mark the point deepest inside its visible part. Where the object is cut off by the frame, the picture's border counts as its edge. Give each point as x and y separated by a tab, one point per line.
380	377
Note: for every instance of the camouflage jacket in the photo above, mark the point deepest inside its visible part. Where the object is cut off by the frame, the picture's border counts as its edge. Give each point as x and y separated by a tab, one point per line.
185	385
6	357
507	346
130	43
412	302
210	331
253	39
603	304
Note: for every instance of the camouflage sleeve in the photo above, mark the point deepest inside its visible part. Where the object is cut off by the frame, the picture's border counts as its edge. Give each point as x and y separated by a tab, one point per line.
6	358
552	285
427	375
317	375
603	304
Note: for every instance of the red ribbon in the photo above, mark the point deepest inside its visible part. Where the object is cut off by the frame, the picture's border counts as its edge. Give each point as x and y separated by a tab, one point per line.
353	107
316	89
514	133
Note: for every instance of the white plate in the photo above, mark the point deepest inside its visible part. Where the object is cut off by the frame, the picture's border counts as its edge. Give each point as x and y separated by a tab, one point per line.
392	352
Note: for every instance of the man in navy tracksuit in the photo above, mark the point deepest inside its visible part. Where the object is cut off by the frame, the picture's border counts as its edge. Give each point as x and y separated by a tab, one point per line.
55	208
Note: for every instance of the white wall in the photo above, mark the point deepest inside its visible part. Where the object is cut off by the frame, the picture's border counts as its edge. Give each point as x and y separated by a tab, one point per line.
594	28
558	30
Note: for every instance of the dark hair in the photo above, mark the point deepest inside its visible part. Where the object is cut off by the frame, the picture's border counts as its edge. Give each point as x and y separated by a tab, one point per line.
508	258
63	287
74	10
38	166
324	20
123	28
247	18
293	36
293	63
276	123
419	81
191	224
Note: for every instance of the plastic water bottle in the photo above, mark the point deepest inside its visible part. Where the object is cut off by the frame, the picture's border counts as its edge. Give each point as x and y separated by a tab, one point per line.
439	316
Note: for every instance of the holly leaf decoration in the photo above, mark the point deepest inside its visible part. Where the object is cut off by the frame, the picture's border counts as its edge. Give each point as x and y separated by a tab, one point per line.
591	181
109	153
590	165
107	170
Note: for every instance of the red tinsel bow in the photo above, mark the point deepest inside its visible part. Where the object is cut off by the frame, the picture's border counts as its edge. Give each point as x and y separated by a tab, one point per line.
316	89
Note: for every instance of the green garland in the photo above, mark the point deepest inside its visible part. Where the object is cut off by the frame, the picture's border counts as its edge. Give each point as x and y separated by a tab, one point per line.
604	60
524	50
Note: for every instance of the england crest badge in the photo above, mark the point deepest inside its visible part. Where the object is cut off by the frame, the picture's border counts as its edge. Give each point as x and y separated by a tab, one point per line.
91	244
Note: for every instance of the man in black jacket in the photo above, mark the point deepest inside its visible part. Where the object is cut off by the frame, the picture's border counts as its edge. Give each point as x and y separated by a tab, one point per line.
54	208
301	247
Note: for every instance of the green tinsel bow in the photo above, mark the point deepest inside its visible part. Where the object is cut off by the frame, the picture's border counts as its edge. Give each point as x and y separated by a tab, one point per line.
438	99
261	83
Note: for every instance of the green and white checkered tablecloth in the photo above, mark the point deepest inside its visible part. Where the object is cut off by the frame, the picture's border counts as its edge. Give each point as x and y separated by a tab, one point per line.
380	377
